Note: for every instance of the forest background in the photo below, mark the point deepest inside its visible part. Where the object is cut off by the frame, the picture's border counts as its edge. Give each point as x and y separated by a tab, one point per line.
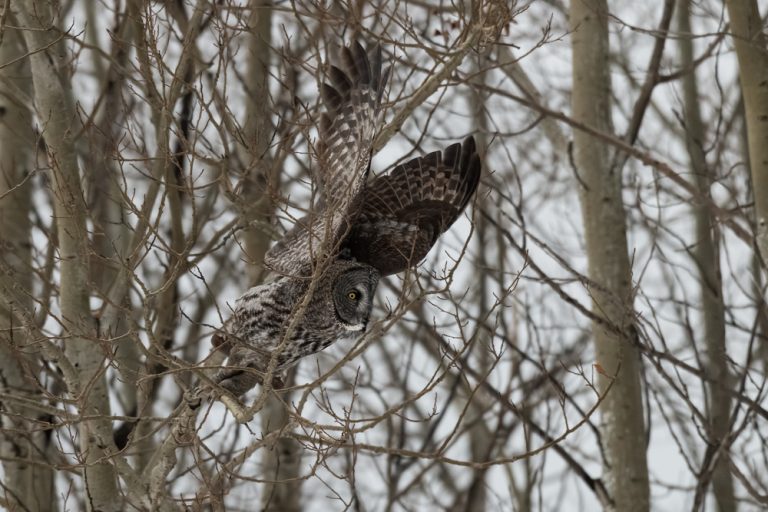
591	334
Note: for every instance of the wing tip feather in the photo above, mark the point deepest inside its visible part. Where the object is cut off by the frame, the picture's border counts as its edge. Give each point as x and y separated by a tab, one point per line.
358	70
471	169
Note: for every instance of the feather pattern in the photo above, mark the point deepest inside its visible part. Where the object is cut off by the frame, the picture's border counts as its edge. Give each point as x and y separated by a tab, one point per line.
347	130
408	209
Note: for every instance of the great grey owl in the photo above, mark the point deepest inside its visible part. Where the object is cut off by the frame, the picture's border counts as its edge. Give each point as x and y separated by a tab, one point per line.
328	265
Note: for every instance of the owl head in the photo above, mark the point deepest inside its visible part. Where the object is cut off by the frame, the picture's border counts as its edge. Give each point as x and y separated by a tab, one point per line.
353	291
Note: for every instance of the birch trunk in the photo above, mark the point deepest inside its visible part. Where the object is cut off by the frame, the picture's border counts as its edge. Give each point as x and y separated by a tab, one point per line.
257	133
24	446
750	42
280	463
622	425
759	295
707	257
57	119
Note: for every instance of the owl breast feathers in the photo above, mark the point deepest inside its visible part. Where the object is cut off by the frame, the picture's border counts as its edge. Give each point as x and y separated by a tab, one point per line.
328	265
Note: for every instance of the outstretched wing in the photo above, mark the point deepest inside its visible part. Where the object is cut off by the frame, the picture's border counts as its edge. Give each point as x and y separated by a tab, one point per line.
347	129
404	212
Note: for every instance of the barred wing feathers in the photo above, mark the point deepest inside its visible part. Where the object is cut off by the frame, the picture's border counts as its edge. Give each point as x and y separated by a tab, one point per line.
347	129
407	210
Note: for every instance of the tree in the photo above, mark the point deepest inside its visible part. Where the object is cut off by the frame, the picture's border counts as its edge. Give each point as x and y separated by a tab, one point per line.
151	152
622	423
706	255
83	373
29	482
750	43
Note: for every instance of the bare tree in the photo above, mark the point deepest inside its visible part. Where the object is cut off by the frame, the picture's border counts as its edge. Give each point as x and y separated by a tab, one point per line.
706	256
622	422
537	359
84	379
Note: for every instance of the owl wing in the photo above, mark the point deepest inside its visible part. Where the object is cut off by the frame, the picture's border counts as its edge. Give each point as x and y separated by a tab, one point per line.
405	212
347	129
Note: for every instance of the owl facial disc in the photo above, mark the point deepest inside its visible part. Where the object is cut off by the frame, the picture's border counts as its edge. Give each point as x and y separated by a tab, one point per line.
353	293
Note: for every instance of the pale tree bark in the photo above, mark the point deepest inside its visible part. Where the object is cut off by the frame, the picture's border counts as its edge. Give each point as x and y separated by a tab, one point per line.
759	295
707	257
622	425
254	153
57	119
752	53
280	463
24	445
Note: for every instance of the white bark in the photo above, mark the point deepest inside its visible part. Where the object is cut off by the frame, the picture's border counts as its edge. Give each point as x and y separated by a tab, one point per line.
752	53
258	128
24	446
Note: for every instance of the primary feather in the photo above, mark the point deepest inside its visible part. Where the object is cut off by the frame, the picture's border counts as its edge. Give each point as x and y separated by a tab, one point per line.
407	210
347	129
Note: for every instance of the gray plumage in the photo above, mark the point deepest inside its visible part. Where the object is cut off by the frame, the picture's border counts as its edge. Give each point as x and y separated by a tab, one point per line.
339	309
358	231
347	129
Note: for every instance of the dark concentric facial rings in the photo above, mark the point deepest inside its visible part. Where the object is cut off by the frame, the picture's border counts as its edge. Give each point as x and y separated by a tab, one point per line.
353	296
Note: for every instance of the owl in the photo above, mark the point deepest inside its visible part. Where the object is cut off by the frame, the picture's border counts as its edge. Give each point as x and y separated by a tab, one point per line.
327	267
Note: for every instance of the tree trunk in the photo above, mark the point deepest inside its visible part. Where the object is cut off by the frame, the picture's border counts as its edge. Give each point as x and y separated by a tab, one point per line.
280	463
257	206
87	384
24	446
707	258
750	42
622	426
759	295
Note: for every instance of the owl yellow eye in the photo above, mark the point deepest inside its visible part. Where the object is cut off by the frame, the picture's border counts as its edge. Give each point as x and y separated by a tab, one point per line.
352	295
